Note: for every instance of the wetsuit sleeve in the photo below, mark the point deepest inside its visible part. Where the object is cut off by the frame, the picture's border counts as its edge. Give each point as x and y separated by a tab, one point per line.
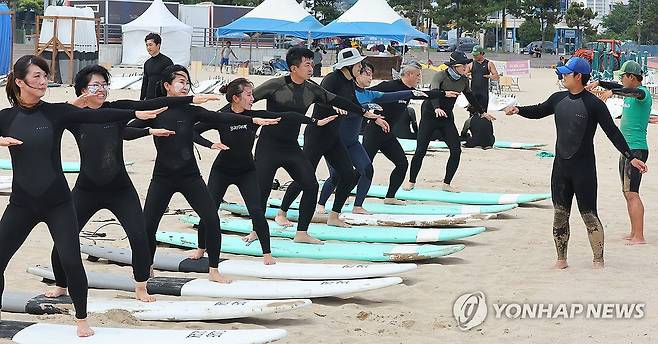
323	96
150	104
473	101
437	79
130	133
622	91
389	97
604	119
200	128
68	114
205	115
145	83
542	110
285	116
265	90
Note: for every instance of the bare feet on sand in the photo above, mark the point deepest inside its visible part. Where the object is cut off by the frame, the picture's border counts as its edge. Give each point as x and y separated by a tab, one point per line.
197	254
635	241
448	188
281	219
55	292
320	209
629	236
215	276
560	264
83	328
334	220
394	201
142	294
303	237
360	210
597	265
251	237
268	259
409	186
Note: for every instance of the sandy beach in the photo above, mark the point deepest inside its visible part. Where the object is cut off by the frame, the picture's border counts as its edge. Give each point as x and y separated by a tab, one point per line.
510	262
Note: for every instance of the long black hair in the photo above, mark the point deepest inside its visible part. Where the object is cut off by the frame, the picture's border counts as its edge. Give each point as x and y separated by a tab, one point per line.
19	72
168	76
235	88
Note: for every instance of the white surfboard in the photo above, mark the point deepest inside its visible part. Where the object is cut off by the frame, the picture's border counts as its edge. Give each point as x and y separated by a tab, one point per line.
206	86
122	82
38	304
242	289
5	185
32	333
255	268
496	102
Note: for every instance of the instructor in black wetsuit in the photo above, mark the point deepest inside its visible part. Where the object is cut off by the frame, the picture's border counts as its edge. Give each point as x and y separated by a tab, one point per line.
153	67
481	71
577	114
278	147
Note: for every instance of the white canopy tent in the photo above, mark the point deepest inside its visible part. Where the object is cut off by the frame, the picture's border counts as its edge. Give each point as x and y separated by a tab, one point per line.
176	36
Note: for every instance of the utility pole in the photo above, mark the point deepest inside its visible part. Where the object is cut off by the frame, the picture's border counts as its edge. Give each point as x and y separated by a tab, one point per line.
639	22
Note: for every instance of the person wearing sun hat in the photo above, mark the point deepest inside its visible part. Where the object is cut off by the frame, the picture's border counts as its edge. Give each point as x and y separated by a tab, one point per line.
481	71
325	141
437	115
634	121
577	115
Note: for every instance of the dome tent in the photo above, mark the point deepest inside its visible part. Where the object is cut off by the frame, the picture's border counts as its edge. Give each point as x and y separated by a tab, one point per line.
176	36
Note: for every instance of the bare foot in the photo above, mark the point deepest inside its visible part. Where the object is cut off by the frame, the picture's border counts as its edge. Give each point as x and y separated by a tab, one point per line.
448	188
55	292
360	210
320	209
282	219
152	273
629	237
215	276
83	328
560	264
394	201
636	241
142	294
251	237
597	265
268	259
303	237
410	186
196	254
334	220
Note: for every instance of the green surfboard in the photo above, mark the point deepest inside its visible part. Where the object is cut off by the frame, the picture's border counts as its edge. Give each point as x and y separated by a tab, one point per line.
498	144
437	195
282	248
67	166
415	209
371	234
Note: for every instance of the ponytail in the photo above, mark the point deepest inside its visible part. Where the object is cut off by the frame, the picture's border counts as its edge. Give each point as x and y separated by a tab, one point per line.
235	88
19	72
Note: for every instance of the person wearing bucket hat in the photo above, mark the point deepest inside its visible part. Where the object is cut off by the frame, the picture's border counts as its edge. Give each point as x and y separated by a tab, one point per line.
577	114
437	115
325	141
481	71
279	148
634	121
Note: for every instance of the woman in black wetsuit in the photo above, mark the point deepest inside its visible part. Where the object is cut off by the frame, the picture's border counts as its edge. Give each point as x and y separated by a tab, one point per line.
235	163
32	129
176	169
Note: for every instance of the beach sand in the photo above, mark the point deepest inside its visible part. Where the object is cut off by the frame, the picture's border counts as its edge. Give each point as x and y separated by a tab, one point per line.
510	262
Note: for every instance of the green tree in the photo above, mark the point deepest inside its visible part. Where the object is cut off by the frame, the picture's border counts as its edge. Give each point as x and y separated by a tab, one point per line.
464	15
35	6
580	17
530	31
624	21
546	11
414	10
326	10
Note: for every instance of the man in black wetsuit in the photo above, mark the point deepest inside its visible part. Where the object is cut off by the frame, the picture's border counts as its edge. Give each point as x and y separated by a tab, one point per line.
278	147
577	113
153	67
481	130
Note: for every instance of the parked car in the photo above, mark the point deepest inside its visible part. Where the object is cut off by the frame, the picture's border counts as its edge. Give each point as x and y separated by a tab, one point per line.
466	44
549	47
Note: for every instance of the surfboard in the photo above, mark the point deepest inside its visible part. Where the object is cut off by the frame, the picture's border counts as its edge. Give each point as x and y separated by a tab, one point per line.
67	166
407	145
616	107
368	220
496	102
206	86
330	250
437	195
241	289
252	268
38	333
122	82
435	145
355	234
5	185
414	209
38	304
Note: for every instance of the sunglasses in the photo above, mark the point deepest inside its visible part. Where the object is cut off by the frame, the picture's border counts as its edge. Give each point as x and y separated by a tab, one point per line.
94	88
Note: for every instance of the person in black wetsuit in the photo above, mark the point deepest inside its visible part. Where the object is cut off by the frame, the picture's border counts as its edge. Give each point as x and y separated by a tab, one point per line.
437	115
32	129
577	114
103	182
153	68
176	169
278	147
235	163
325	141
481	130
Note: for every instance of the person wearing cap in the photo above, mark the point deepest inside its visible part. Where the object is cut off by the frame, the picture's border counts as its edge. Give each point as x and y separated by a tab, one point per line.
326	142
481	71
437	115
577	114
634	122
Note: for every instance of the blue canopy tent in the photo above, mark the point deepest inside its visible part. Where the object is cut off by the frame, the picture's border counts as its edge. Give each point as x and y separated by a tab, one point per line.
6	39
